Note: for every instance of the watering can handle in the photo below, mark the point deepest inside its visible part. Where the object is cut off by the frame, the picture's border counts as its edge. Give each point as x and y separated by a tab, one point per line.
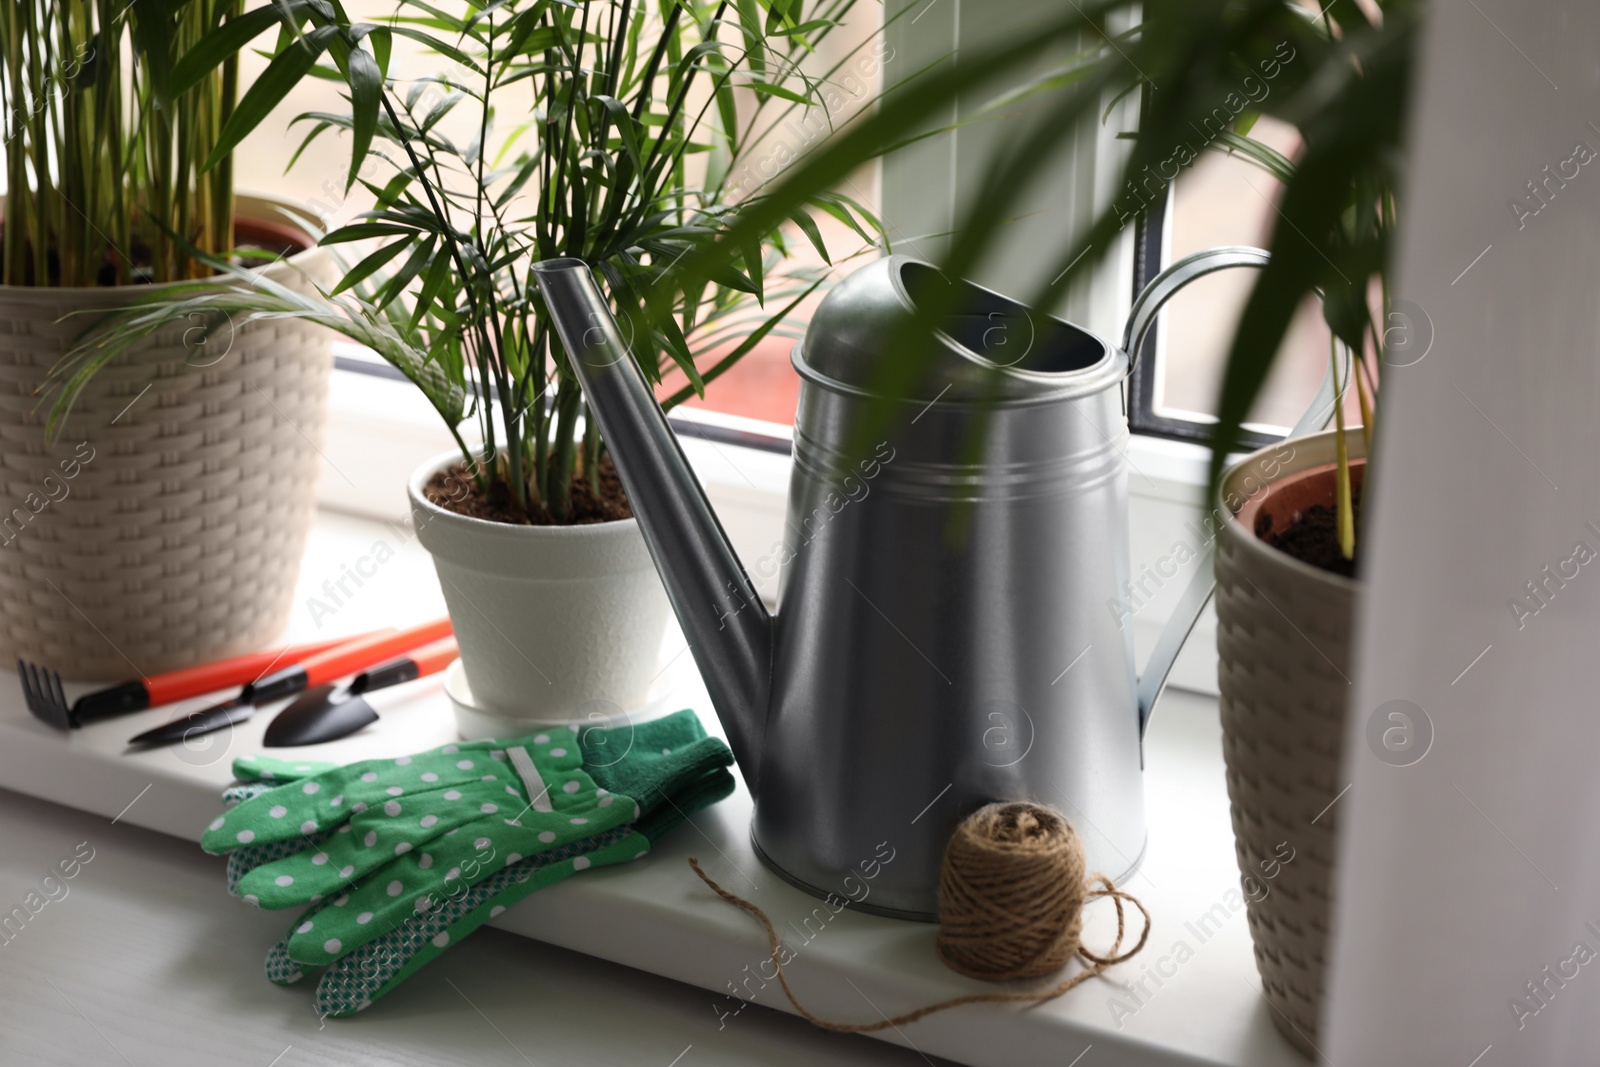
1164	286
1140	319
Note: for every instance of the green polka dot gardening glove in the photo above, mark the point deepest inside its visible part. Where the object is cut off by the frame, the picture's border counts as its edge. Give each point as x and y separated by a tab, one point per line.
413	818
400	858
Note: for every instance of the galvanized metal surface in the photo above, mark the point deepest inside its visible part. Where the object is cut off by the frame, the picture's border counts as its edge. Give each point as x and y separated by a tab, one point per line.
948	631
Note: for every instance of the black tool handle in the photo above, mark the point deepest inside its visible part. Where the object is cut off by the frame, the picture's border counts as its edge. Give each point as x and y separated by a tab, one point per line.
384	675
107	703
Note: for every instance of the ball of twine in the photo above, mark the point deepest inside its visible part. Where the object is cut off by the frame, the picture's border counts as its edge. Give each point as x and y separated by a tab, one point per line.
1011	893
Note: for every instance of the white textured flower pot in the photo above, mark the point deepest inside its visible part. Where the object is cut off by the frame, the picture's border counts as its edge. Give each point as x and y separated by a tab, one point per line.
1283	651
554	622
167	526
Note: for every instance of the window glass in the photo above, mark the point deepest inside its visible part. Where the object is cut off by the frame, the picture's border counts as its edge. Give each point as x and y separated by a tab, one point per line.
1224	200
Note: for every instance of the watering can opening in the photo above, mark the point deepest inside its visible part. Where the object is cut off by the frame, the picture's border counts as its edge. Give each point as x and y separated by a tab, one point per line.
985	349
997	330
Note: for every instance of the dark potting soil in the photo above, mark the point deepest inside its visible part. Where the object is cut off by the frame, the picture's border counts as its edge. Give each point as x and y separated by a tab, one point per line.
1313	538
455	490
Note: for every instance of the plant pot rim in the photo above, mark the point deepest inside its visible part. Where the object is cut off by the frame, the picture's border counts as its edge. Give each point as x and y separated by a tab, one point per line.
492	528
1313	454
265	208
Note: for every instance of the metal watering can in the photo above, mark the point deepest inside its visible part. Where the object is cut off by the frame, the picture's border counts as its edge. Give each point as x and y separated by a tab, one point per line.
910	677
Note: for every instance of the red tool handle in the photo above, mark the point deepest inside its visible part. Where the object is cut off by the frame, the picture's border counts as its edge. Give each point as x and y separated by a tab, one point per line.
431	659
173	686
355	656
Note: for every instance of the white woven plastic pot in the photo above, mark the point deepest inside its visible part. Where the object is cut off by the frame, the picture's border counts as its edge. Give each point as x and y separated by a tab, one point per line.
554	622
167	525
1283	649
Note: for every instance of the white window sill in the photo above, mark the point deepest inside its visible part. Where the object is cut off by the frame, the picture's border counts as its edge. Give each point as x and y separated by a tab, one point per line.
380	430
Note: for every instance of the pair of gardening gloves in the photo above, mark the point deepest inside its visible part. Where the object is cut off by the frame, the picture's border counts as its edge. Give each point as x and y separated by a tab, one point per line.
394	860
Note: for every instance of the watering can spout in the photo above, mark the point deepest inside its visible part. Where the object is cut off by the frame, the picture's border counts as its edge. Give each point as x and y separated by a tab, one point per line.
727	626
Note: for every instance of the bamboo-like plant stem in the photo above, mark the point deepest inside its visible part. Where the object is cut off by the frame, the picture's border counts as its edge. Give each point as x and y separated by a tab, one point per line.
569	401
109	111
11	250
221	179
1344	513
541	427
48	199
1363	393
591	449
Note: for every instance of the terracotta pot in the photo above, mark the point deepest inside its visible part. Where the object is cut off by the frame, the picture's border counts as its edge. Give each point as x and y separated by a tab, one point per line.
1280	503
1284	670
167	526
273	235
557	624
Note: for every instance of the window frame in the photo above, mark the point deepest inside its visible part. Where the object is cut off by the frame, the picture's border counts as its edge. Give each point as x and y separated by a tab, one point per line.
713	426
1149	260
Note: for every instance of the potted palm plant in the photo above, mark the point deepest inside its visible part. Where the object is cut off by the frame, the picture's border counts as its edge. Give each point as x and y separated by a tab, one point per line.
163	525
630	122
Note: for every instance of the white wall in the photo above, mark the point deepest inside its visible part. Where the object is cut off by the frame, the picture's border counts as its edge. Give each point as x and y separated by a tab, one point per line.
1467	873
